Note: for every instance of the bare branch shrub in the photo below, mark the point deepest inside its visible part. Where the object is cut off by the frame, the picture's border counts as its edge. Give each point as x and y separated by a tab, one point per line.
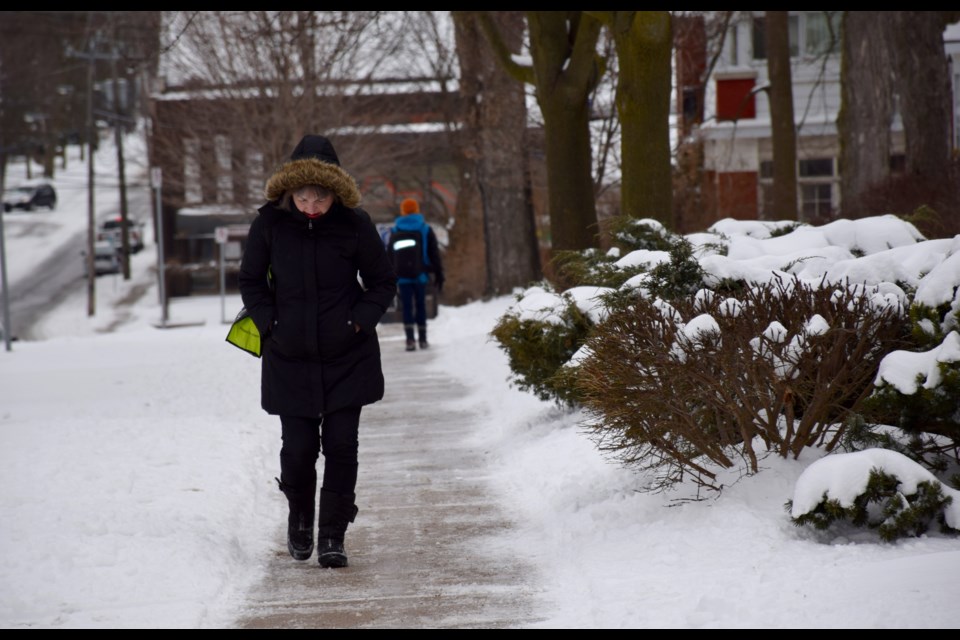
695	384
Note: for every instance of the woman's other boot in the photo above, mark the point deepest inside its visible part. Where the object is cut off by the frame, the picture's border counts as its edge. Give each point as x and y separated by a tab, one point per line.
337	510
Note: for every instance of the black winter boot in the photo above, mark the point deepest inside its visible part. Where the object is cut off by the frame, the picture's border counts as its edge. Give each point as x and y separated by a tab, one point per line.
300	519
422	335
337	510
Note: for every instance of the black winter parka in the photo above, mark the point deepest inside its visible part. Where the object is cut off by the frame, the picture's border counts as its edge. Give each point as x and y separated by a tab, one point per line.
330	274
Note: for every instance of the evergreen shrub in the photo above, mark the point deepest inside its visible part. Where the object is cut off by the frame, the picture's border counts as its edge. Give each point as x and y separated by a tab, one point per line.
884	506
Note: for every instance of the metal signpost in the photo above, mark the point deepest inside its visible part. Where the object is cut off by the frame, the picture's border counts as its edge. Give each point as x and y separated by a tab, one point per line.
6	289
222	234
156	179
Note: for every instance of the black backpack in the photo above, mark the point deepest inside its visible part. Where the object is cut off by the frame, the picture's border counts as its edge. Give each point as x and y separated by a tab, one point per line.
406	249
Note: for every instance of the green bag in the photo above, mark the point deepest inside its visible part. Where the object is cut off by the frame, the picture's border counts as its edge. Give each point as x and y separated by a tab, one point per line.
244	334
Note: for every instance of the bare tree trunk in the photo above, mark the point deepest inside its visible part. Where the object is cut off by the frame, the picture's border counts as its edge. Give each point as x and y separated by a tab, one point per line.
866	106
493	245
566	75
782	124
923	83
565	71
644	47
465	259
513	258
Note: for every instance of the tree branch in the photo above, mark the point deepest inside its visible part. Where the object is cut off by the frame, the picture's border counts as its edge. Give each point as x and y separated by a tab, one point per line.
500	49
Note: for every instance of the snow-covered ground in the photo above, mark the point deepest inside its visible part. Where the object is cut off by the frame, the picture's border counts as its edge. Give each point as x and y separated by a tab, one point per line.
137	470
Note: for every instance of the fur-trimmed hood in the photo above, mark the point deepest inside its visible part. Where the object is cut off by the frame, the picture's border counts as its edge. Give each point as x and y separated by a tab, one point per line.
304	171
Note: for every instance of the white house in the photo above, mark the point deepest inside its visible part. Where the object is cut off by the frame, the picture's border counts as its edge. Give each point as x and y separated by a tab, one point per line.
738	151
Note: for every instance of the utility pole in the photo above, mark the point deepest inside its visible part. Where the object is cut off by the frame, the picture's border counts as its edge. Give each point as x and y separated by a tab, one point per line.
4	280
91	57
91	216
118	138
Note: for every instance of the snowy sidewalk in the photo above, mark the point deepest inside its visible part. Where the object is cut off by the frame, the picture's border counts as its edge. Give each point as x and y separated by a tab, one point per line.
423	551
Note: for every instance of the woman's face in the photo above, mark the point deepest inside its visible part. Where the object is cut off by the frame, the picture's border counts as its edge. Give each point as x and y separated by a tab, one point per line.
313	202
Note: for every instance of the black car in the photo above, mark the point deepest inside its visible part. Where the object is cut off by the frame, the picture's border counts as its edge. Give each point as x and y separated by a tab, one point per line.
29	197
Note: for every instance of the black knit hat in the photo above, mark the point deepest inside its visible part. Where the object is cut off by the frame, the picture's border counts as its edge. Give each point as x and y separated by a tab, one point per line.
313	146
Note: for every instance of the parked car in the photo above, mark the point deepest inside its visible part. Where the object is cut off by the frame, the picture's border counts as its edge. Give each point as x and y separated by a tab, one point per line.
111	230
30	196
106	258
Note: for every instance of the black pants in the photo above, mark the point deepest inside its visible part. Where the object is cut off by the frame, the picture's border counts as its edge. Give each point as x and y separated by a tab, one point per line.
336	435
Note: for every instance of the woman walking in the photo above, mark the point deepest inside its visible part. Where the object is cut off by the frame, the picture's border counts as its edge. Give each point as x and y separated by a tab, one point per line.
316	280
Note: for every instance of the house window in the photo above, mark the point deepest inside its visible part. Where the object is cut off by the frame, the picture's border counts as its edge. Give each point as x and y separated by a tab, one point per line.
813	32
766	169
821	32
735	99
732	46
254	175
192	190
816	168
816	177
815	186
223	150
816	201
760	37
691	105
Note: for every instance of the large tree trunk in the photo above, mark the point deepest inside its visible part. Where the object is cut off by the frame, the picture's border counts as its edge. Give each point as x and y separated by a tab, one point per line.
866	106
782	124
565	71
923	83
465	260
644	46
563	46
512	249
573	215
493	244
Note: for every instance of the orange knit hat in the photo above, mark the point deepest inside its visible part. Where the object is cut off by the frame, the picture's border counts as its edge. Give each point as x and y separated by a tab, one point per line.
409	205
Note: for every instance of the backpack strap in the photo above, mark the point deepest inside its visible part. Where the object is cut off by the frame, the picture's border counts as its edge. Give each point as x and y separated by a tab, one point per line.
424	231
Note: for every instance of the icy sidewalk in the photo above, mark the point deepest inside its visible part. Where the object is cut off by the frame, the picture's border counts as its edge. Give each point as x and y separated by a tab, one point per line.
424	550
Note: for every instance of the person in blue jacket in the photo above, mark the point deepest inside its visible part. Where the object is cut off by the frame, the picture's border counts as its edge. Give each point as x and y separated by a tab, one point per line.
413	286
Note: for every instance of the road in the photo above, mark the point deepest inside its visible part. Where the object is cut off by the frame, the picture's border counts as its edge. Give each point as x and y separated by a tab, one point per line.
60	273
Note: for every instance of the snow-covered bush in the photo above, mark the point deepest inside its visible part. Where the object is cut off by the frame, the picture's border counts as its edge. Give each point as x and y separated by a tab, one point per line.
918	389
715	347
539	334
876	489
702	381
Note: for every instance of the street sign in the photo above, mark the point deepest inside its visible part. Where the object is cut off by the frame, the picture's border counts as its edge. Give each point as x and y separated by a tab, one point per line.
221	234
156	177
